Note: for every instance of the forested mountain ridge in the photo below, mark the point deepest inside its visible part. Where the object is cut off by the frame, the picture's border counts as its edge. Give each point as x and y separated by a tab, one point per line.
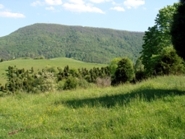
83	43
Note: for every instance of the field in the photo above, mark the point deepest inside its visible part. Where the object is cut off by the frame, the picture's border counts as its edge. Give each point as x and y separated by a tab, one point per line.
152	109
42	63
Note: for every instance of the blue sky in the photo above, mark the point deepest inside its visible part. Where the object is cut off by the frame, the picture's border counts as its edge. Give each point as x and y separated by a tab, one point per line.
131	15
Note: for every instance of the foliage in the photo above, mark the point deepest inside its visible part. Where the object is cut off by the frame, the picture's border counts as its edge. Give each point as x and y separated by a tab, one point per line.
28	81
124	71
50	65
158	36
178	30
138	65
103	82
82	83
94	73
50	78
60	85
168	62
139	71
70	83
82	43
113	65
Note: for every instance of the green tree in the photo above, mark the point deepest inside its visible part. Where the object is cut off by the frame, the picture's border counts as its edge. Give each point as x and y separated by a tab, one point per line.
158	36
114	64
168	62
70	83
138	65
178	30
139	70
124	71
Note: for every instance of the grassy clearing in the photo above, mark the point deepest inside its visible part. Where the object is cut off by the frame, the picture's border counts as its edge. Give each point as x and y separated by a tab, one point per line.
152	109
43	63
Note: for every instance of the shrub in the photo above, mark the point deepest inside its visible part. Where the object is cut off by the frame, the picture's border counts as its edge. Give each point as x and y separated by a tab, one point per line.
51	69
70	83
48	83
139	76
124	71
60	85
168	62
113	65
29	81
73	73
139	71
82	83
103	82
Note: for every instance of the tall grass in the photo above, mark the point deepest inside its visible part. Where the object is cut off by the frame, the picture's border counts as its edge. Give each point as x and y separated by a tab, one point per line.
154	108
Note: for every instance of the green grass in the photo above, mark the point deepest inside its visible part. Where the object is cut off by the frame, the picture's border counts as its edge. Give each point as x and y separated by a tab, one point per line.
154	108
42	63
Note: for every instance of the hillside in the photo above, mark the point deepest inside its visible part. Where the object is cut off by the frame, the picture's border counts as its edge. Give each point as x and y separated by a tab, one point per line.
82	43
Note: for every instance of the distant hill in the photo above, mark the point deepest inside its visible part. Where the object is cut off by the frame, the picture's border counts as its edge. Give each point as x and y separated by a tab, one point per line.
88	44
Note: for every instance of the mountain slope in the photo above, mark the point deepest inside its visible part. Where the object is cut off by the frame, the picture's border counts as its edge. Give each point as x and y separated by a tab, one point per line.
82	43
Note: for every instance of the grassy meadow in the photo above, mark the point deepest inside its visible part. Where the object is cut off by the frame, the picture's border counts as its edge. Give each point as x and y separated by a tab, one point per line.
152	109
42	63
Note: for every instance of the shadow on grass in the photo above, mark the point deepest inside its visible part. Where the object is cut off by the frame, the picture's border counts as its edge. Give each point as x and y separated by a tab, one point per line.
122	99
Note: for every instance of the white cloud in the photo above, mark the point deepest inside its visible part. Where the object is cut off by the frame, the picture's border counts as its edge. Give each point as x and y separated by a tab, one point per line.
53	2
119	9
11	14
133	3
8	14
80	6
1	6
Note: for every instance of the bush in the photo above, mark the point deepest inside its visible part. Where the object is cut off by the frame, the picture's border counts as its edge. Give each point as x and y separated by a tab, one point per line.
124	72
51	69
168	62
114	64
70	83
29	81
103	82
139	76
73	73
48	83
60	85
82	83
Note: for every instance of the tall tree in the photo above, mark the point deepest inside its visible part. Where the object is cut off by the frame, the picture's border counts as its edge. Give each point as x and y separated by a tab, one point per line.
178	30
158	36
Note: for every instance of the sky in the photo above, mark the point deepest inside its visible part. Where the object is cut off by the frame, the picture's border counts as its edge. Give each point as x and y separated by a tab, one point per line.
130	15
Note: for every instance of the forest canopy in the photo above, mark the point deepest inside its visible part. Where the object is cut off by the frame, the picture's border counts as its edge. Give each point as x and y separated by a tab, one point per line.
82	43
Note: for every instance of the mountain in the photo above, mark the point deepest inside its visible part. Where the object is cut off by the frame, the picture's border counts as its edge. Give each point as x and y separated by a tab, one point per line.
88	44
